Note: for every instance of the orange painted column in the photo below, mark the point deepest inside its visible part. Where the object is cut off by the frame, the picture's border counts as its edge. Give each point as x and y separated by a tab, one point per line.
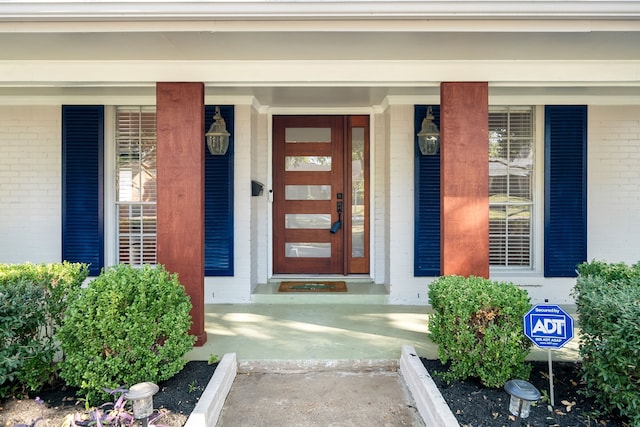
464	185
180	184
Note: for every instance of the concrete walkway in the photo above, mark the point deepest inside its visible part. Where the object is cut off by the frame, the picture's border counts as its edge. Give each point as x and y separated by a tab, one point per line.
319	398
322	394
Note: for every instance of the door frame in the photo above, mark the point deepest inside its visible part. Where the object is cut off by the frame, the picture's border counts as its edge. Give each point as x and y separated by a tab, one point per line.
365	111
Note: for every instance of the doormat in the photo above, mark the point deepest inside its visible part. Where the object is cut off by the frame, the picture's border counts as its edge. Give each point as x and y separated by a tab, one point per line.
313	286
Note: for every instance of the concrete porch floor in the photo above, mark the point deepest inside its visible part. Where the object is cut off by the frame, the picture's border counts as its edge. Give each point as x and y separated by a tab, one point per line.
326	330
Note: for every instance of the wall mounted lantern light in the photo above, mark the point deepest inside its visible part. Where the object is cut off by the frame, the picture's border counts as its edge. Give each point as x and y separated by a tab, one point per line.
429	136
522	394
218	136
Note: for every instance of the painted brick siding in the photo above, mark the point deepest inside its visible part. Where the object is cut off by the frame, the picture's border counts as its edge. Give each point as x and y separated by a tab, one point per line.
379	174
614	183
401	208
30	184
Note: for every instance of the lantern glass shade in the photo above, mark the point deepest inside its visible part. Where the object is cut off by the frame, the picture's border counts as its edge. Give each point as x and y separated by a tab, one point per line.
429	136
218	136
519	407
141	397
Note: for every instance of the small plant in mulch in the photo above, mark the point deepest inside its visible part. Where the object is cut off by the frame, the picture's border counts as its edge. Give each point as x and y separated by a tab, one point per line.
111	414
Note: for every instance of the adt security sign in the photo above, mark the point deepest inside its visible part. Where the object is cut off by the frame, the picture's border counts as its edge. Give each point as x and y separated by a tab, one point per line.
548	326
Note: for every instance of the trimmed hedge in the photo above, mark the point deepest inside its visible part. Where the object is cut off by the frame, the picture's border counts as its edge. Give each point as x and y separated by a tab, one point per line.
478	327
33	298
129	325
608	302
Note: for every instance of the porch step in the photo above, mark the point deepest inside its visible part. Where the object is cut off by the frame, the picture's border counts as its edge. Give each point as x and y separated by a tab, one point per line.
359	291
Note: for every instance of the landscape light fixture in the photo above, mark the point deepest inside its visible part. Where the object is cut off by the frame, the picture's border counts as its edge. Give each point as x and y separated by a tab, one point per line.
522	395
218	136
141	397
429	135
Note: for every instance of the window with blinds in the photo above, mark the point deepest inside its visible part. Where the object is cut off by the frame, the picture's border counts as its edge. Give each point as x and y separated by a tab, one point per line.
511	170
136	185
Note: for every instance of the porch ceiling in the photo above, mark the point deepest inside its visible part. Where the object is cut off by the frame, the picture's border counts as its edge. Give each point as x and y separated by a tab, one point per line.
343	63
319	46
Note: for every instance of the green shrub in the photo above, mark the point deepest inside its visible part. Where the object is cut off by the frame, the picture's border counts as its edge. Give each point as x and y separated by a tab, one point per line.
478	327
129	325
32	302
608	302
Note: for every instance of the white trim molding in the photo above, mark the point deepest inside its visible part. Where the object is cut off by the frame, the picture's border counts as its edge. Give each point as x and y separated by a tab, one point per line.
101	10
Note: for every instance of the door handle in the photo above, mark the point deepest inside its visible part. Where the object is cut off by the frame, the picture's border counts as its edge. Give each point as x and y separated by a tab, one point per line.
338	224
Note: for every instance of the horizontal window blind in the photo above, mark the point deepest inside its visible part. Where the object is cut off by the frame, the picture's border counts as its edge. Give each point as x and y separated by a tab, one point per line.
511	171
136	191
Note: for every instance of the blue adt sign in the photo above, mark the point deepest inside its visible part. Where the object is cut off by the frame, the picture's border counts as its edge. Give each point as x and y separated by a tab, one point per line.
548	326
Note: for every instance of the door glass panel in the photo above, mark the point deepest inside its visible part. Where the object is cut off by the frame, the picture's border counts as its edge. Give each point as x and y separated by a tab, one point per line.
307	192
357	193
317	221
307	163
307	250
294	135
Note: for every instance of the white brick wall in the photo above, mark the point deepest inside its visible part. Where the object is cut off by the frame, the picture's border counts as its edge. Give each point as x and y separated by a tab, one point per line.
30	184
379	175
401	197
614	183
30	198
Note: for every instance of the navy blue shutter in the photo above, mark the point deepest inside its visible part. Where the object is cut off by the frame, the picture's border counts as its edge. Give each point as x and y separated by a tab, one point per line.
427	202
565	210
218	202
82	185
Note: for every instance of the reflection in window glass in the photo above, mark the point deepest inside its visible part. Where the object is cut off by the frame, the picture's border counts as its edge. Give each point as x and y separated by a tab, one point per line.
307	192
357	193
307	163
295	135
307	250
316	221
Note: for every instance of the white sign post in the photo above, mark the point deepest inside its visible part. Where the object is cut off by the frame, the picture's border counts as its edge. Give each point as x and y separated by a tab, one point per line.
550	327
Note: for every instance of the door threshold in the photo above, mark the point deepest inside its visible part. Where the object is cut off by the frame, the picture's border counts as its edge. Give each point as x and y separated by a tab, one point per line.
352	278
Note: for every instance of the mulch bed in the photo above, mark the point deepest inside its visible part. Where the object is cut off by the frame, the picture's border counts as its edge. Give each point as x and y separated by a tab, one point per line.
477	406
176	399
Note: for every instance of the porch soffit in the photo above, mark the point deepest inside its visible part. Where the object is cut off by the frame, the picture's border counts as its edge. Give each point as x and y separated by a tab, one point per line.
316	53
319	46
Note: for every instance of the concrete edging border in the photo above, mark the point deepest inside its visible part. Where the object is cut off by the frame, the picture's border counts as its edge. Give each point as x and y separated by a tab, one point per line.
209	407
431	405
